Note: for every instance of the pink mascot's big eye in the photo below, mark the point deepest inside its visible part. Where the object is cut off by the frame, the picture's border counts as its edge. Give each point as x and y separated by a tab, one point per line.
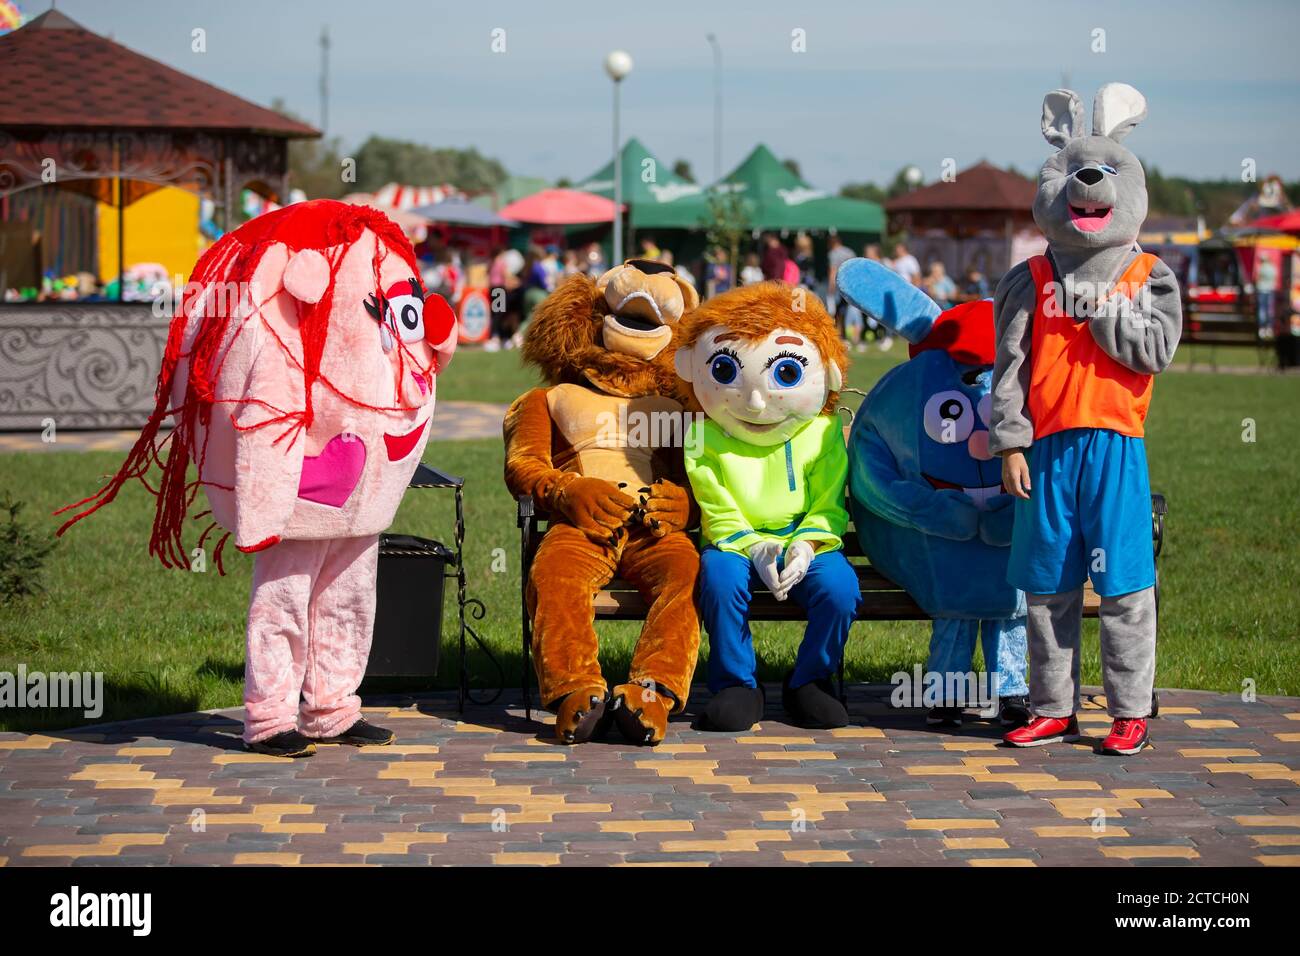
439	319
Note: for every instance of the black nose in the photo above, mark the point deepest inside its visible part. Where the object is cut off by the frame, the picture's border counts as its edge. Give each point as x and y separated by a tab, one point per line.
1089	175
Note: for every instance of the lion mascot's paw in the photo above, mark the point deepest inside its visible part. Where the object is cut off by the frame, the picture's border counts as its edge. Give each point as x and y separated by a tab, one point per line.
581	715
641	713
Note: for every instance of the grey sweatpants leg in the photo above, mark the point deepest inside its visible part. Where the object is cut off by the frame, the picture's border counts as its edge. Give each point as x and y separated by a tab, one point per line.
1128	652
1055	625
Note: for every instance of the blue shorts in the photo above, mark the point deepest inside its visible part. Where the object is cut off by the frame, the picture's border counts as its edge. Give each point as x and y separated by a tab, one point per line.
1088	515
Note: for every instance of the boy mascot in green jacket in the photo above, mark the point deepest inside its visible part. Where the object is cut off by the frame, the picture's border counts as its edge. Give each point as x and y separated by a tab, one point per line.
768	468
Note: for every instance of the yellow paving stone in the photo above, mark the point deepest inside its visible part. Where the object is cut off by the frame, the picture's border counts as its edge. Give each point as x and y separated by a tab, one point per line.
267	859
961	823
1150	852
1031	782
294	828
526	859
795	789
393	843
1288	738
1080	832
647	826
1287	859
678	768
1178	711
816	856
775	741
946	770
990	761
1257	771
544	814
1209	724
144	751
551	756
1084	807
110	844
1277	839
34	742
1217	752
1268	820
465	728
411	750
3	860
1003	861
194	797
871	732
734	841
1095	717
1294	716
681	749
794	755
975	843
970	745
1140	793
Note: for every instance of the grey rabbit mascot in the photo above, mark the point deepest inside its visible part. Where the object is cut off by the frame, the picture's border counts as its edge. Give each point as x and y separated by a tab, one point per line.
1081	333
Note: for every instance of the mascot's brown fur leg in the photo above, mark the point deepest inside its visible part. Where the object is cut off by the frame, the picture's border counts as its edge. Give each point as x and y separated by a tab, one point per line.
664	569
568	569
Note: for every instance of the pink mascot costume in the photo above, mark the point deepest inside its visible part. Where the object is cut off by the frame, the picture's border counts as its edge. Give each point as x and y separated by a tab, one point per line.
300	372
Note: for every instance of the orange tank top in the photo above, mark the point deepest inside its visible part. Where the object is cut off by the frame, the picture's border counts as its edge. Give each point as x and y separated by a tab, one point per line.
1073	383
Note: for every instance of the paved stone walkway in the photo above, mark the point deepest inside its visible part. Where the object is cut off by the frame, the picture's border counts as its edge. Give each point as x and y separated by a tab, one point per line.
454	421
1220	786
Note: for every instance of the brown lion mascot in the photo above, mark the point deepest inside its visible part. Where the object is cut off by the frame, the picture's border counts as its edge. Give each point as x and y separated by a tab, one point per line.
600	450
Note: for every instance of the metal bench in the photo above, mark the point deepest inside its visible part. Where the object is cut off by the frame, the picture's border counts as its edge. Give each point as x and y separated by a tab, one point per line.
882	599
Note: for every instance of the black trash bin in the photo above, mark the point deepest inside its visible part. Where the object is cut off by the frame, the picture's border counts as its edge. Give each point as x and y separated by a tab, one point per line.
408	611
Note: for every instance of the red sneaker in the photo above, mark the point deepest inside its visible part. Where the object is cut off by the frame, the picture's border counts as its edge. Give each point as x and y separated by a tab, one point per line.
1127	736
1044	730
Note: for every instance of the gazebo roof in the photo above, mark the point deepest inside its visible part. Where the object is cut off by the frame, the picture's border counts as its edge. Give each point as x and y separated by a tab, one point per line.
56	73
980	187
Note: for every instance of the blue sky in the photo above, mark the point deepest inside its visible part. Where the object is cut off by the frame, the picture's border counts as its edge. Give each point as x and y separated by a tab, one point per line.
880	85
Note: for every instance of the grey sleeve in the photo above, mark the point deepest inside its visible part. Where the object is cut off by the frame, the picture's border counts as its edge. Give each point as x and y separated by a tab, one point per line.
1143	337
1013	311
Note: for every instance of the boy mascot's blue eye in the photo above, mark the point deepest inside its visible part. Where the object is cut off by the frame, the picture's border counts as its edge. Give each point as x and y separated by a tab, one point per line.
724	369
787	373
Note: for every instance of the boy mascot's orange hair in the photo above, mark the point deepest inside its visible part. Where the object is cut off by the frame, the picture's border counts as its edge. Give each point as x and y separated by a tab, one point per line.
750	310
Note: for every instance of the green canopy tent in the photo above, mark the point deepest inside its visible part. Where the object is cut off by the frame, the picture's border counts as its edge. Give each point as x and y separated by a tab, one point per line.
773	198
647	184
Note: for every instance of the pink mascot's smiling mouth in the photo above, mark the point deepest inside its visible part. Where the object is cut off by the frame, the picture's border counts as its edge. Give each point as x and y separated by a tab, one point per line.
399	446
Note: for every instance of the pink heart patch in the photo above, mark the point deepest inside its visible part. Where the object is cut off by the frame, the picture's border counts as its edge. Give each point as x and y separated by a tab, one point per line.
330	477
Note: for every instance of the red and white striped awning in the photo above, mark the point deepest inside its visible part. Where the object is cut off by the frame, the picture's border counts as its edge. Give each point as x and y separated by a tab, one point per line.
400	196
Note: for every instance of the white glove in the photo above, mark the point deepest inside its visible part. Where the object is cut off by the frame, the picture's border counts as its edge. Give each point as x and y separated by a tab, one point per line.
763	556
797	558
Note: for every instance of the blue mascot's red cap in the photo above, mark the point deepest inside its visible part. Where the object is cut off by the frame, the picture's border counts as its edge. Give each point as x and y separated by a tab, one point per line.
965	332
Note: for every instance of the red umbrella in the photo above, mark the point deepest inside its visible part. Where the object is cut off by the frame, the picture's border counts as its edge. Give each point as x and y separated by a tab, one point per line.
1282	222
560	207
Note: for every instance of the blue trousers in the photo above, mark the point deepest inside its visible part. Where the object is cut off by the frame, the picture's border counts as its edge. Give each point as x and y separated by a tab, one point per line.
828	593
1006	652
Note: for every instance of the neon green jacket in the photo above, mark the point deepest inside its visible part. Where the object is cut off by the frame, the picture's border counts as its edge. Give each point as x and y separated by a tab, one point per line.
749	493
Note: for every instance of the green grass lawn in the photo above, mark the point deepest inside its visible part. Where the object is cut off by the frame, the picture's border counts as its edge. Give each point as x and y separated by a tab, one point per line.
171	641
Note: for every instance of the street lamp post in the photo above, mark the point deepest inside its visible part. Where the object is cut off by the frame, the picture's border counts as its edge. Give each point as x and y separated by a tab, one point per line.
618	65
717	106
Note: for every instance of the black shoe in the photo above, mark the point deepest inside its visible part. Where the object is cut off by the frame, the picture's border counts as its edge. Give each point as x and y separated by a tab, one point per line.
944	717
1014	711
814	705
362	734
734	709
287	743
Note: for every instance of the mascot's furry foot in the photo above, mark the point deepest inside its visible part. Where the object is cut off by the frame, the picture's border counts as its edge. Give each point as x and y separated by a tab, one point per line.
641	717
814	705
734	709
582	715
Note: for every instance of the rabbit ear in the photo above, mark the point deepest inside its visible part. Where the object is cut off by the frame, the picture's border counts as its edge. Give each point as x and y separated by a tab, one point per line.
1062	117
1116	109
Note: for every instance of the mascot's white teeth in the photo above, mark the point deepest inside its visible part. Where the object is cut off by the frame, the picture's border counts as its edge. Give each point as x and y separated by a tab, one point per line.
640	294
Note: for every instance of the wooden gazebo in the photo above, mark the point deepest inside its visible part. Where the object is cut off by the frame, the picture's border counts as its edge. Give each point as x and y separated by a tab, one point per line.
85	114
983	218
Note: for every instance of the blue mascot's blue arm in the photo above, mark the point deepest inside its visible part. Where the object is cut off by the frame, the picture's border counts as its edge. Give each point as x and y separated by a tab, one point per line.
996	521
878	486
